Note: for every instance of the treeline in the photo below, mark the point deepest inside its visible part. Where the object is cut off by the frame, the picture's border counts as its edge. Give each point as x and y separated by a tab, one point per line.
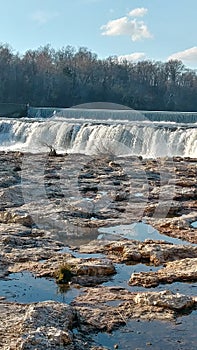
67	77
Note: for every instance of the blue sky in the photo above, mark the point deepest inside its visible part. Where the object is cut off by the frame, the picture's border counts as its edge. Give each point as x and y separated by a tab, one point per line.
137	29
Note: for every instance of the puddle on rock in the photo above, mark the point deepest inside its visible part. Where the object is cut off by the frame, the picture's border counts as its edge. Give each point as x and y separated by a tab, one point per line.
24	287
137	231
124	273
81	255
194	224
156	335
76	235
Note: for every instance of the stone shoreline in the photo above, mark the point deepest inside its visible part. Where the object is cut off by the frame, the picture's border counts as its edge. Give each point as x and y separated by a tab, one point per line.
43	199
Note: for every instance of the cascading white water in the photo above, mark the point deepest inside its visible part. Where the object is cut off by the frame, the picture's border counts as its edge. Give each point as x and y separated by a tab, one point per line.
134	138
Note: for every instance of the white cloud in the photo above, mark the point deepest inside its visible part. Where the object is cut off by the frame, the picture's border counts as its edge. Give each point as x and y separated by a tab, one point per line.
137	30
138	12
135	56
42	17
189	55
115	27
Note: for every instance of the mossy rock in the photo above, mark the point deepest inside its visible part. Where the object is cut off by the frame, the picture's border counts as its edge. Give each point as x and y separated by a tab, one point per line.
64	274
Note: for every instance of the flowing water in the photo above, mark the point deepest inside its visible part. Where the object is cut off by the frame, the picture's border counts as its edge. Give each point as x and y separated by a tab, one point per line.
149	134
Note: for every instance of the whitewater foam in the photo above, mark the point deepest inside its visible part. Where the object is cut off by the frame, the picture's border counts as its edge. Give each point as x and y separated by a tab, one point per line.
132	138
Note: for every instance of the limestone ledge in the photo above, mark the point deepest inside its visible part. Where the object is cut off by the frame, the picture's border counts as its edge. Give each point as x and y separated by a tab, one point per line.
179	270
89	193
52	325
89	271
156	252
106	308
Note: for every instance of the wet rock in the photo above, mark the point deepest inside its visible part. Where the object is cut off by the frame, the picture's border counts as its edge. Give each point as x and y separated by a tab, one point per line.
21	245
4	264
180	270
11	197
106	308
117	182
80	193
156	252
164	299
81	271
179	227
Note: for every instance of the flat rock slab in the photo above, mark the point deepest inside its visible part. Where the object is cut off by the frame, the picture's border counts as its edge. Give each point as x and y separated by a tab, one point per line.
44	325
156	252
78	188
179	227
106	308
40	326
90	271
182	270
74	192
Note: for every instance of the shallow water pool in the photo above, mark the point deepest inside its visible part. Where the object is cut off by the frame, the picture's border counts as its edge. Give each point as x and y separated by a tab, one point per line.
24	287
194	224
138	231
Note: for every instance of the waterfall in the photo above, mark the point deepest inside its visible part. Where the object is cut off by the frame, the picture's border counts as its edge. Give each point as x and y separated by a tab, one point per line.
134	138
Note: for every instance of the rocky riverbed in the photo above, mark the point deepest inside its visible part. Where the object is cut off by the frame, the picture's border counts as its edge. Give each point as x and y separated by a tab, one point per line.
80	222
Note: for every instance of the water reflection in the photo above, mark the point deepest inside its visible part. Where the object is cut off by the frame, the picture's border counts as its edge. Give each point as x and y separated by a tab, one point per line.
138	231
24	287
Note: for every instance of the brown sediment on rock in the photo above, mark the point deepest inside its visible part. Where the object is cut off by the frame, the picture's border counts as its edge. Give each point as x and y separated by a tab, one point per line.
23	246
184	270
106	308
156	252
